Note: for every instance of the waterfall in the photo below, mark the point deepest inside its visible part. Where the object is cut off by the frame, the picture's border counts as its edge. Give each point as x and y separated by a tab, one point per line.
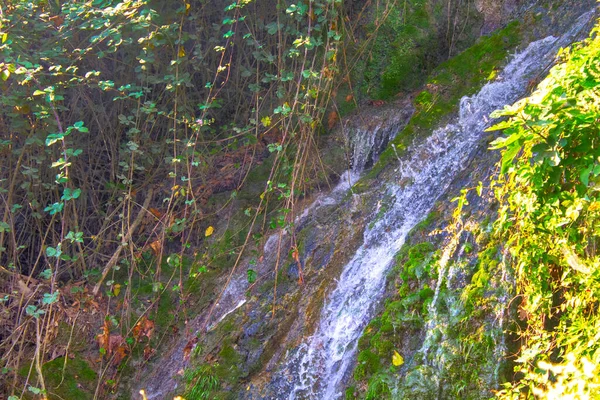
319	366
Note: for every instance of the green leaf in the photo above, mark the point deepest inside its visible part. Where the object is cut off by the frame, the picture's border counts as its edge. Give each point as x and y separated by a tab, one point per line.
585	175
33	311
46	274
252	275
34	390
69	194
4	227
508	156
50	298
54	208
51	252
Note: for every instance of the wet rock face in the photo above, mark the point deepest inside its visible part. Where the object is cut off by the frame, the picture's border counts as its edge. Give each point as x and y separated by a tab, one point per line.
368	134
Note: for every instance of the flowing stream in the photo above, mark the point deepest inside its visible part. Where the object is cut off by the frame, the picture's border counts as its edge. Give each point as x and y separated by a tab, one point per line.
319	367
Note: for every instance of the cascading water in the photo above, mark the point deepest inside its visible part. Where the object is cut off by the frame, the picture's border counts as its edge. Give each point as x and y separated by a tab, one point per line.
319	366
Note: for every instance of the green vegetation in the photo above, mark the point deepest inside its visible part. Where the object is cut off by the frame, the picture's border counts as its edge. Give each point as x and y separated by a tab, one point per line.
460	76
548	221
130	128
148	148
405	41
544	234
69	379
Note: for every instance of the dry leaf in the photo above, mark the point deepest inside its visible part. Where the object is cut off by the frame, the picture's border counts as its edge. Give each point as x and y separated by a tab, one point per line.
332	119
103	338
295	255
156	247
144	328
156	212
148	352
120	353
187	350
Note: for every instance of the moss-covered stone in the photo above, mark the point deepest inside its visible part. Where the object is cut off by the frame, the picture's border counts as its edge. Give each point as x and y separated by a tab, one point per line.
460	76
73	379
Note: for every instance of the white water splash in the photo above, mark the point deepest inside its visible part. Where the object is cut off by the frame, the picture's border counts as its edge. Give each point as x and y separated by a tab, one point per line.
322	363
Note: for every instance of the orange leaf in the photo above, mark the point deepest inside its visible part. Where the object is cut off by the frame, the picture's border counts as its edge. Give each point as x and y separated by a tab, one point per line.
120	353
156	212
332	119
103	338
295	255
148	352
187	350
144	328
156	247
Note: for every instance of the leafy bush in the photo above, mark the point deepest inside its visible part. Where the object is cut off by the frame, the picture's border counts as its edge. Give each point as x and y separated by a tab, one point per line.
548	219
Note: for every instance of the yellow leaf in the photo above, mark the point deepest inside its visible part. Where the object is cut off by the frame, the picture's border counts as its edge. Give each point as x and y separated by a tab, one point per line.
209	231
397	359
266	121
116	289
181	51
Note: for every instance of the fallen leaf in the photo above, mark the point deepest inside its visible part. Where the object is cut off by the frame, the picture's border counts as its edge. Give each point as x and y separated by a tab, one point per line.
144	328
157	213
332	119
295	255
209	231
120	353
103	338
187	350
397	359
148	352
114	342
156	247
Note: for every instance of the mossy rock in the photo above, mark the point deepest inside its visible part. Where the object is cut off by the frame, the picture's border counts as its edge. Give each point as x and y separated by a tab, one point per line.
460	76
368	363
73	380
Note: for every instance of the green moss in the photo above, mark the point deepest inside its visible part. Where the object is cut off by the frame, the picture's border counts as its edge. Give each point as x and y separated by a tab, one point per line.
351	393
367	364
75	380
460	76
379	387
228	370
